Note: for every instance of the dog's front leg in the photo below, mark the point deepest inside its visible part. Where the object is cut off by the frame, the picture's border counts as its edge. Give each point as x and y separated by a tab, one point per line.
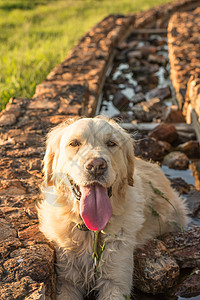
67	291
116	280
69	284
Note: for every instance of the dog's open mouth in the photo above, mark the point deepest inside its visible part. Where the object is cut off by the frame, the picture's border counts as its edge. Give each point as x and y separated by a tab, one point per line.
77	193
75	189
95	205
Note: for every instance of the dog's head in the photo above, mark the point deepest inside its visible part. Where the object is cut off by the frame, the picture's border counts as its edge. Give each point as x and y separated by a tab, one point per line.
93	157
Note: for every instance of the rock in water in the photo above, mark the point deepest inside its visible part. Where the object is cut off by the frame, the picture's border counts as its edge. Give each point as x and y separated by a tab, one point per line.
176	160
120	101
146	111
155	269
164	132
184	247
161	93
190	148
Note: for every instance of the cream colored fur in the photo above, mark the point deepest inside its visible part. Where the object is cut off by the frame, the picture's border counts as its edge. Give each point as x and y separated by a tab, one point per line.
133	201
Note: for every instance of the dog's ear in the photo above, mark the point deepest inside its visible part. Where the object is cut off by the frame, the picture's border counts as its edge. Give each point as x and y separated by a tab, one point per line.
129	148
52	143
52	151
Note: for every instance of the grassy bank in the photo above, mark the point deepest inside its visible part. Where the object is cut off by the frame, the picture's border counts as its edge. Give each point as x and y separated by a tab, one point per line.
37	35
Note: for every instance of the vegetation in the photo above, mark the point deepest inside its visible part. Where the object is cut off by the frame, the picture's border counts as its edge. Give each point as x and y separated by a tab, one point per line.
36	35
156	214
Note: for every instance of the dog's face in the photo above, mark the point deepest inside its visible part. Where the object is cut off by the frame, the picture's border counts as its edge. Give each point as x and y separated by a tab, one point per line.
91	156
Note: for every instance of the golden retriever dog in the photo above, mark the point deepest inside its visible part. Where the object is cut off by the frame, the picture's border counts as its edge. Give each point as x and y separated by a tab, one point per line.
100	203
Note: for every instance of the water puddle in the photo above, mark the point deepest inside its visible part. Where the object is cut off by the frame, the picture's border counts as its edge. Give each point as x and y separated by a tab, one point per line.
186	175
191	298
108	109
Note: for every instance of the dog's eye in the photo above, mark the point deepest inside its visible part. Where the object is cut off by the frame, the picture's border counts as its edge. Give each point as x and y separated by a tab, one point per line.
110	143
75	143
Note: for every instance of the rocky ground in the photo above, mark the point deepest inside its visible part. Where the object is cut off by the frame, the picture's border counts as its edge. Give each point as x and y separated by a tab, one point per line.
184	60
144	100
139	94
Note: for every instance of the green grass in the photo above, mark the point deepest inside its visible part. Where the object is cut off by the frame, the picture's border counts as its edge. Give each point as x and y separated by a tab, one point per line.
36	35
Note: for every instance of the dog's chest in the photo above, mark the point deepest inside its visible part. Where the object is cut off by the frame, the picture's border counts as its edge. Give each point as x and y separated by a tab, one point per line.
77	262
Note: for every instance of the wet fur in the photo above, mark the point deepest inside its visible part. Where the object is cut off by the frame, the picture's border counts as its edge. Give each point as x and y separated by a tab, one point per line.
131	224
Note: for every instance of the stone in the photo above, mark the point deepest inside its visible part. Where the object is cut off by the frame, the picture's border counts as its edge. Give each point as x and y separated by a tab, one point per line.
176	160
22	289
35	164
173	115
146	111
24	138
7	119
6	169
39	294
121	101
121	79
138	89
134	54
13	109
189	287
122	117
148	81
164	132
57	119
192	98
167	146
146	50
75	93
161	93
48	89
155	269
149	148
121	56
183	42
6	230
184	137
180	185
195	168
193	202
8	245
134	62
67	109
158	59
132	44
145	70
184	247
27	152
19	201
17	217
35	261
31	235
137	98
12	187
31	211
190	148
1	273
46	104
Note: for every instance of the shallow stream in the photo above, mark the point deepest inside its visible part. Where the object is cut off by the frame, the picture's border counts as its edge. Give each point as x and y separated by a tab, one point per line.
137	70
123	79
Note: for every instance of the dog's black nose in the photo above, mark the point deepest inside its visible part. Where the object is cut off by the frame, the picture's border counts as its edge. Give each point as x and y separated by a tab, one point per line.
96	166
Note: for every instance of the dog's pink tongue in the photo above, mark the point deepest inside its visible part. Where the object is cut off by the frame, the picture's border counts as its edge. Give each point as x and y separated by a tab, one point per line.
95	207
